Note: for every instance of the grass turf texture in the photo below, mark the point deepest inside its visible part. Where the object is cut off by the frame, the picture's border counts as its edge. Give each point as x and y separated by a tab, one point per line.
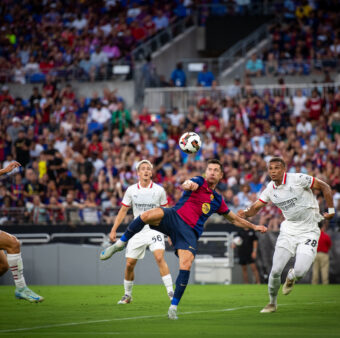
205	310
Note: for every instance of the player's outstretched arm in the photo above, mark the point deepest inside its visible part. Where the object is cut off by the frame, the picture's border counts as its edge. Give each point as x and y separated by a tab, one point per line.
252	210
327	194
242	223
118	221
190	185
9	168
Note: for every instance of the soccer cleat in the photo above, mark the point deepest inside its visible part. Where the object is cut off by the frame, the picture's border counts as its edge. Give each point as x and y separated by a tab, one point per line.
109	251
288	285
125	300
28	294
172	313
171	294
269	308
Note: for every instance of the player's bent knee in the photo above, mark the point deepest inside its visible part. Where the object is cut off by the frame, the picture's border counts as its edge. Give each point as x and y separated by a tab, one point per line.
130	265
276	273
13	245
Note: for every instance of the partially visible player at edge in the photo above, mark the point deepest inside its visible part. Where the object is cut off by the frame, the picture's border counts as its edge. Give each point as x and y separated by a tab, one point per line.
13	261
299	232
184	223
142	196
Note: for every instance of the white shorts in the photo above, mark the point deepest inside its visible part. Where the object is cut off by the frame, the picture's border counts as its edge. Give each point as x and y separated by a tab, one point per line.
152	239
305	243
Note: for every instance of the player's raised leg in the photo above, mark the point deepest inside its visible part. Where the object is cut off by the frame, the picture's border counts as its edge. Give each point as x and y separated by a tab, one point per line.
152	217
280	260
185	261
12	246
165	272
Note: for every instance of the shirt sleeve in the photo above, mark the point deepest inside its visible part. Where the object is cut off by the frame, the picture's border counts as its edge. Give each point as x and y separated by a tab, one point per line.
264	197
127	200
305	181
163	199
197	179
223	209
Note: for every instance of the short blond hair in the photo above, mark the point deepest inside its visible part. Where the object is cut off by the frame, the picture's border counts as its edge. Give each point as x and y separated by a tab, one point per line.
143	161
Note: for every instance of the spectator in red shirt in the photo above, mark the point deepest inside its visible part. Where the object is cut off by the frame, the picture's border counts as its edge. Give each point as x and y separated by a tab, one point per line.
321	263
314	104
138	31
145	117
95	145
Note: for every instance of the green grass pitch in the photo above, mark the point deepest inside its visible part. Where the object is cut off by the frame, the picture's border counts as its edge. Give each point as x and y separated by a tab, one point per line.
205	311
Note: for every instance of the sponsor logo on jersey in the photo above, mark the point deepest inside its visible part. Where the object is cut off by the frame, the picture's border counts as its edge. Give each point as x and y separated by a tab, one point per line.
205	208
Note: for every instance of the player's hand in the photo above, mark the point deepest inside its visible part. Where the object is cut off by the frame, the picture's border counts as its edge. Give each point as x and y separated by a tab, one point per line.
326	215
13	165
260	228
190	185
169	241
113	235
253	255
241	213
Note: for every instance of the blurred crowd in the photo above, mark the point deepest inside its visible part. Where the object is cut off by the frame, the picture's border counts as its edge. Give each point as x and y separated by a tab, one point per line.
78	155
306	40
79	39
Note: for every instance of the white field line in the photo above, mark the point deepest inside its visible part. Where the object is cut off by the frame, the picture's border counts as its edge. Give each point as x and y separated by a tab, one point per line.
147	317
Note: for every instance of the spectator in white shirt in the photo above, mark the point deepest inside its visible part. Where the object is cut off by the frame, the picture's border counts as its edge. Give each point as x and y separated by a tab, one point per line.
176	118
100	114
79	23
98	58
304	126
299	103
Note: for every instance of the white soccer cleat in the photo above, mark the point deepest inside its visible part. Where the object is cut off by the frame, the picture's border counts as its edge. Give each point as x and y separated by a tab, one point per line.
172	313
28	294
125	300
109	251
269	308
288	285
171	295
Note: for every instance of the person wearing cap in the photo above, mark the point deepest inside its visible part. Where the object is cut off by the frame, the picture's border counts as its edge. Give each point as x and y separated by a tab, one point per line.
142	196
14	129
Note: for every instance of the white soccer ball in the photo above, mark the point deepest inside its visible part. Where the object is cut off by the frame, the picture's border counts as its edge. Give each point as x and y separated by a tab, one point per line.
238	240
190	142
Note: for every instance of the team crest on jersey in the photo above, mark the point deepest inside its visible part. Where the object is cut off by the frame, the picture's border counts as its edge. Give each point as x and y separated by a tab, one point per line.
205	208
212	197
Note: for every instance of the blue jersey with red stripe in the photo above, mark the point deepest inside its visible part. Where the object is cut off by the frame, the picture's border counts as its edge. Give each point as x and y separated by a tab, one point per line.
195	207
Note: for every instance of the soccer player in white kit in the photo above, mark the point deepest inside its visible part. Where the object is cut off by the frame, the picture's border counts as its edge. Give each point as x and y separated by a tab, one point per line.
142	196
299	232
13	260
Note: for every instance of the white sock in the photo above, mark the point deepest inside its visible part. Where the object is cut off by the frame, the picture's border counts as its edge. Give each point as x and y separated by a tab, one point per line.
173	307
120	243
291	275
17	268
273	288
128	284
167	280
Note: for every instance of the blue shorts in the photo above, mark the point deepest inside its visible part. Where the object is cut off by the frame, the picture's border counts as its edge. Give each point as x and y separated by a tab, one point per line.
181	234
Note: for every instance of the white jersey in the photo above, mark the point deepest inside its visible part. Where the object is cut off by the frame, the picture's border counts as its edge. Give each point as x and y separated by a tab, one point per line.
142	199
297	202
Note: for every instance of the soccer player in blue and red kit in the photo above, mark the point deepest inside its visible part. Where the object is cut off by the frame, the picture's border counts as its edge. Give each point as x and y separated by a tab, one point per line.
184	223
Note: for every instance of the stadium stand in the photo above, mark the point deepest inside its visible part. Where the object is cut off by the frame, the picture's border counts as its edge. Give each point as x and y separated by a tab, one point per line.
79	153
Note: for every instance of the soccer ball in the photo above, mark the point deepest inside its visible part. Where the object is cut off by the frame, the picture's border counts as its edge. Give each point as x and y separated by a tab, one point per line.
190	142
238	240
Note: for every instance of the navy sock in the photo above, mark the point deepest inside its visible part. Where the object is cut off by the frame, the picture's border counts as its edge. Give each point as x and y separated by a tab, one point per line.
181	284
135	226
